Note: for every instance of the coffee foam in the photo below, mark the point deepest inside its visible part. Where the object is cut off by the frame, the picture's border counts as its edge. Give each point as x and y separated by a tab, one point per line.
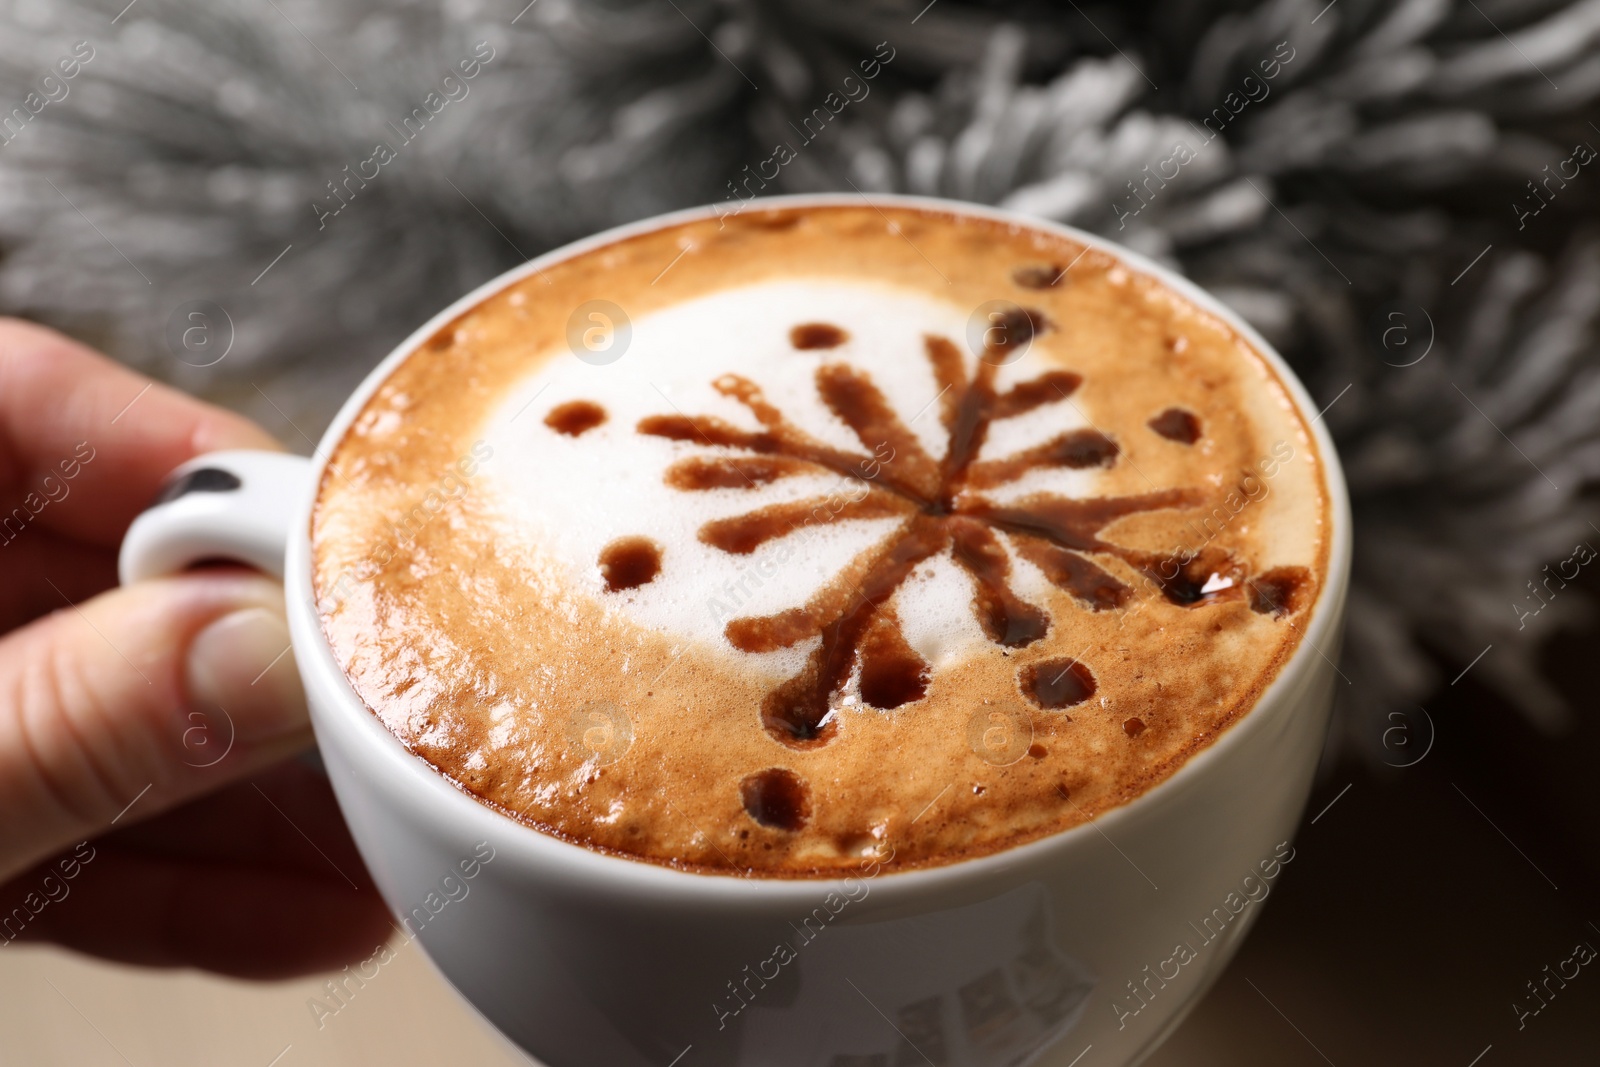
573	495
459	536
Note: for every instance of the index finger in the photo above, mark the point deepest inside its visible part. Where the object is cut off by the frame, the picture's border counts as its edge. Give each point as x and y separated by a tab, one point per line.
85	444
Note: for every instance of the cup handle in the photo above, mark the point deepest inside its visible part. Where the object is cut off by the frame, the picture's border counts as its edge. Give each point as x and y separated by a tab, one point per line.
236	506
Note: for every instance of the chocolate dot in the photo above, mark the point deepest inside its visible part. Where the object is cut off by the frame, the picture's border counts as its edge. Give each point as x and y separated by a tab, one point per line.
1014	328
777	798
629	562
1082	449
1133	727
1039	276
1037	751
817	335
1211	575
575	417
1280	591
1057	683
1176	424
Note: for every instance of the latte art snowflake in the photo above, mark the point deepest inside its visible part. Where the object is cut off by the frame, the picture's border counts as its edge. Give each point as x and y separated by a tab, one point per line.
941	508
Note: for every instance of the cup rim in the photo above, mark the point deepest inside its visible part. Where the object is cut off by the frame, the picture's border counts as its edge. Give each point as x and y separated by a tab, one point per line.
556	857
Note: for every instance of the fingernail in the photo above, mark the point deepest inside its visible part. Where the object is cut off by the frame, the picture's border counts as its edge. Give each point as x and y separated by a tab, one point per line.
240	667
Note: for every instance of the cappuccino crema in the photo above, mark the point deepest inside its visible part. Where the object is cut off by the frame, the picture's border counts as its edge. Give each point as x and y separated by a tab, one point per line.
817	536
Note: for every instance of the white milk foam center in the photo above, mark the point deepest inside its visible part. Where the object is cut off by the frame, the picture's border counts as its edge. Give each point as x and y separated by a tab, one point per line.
574	495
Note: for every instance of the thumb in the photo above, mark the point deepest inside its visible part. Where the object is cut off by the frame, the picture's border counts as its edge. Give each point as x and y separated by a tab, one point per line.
131	703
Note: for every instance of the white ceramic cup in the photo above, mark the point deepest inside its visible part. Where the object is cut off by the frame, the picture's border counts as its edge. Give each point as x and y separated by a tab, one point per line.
1086	947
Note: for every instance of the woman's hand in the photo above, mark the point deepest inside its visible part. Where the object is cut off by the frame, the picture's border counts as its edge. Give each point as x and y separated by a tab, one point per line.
147	813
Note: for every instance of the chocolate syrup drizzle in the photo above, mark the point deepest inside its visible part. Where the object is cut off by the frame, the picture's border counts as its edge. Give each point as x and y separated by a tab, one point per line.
939	509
